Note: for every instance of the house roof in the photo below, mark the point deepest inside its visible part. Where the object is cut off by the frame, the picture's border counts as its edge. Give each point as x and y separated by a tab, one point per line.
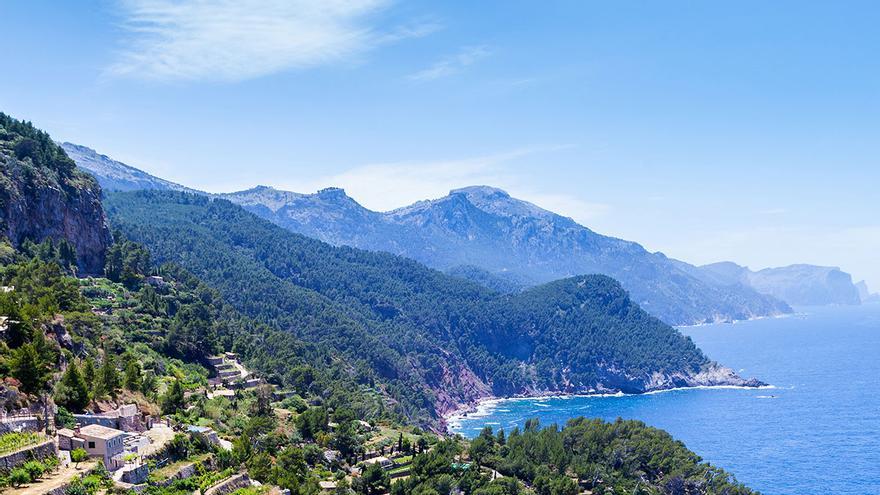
101	432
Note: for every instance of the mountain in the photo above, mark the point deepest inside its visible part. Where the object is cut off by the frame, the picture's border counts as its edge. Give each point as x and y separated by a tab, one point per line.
117	176
798	285
430	341
511	242
43	195
485	228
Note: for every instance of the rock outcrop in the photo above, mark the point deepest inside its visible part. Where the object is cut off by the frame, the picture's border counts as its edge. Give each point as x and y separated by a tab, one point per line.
43	196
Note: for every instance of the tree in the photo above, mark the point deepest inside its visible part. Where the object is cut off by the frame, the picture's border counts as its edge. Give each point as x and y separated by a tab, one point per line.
374	481
78	456
89	373
173	400
29	368
291	468
72	391
312	421
108	377
132	380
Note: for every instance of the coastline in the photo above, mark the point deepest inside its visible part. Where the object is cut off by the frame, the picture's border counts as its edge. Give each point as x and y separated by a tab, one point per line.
487	405
734	322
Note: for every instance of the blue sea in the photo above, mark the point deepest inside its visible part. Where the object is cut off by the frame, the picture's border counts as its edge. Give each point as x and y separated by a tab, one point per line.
816	431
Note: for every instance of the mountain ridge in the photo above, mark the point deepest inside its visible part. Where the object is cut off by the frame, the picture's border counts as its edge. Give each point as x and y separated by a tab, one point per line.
508	238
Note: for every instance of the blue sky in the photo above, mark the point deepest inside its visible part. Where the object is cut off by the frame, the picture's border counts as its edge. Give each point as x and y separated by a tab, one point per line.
746	130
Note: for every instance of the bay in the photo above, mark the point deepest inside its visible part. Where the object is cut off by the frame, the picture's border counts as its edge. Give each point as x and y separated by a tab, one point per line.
816	430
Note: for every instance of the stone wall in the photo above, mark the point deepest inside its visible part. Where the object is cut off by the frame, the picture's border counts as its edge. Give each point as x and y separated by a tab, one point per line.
229	485
17	458
136	475
25	423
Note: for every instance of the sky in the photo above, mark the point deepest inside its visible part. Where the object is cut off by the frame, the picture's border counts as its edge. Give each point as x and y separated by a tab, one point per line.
745	131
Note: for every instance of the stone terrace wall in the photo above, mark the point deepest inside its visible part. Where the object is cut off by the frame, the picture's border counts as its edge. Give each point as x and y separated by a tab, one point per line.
229	485
39	451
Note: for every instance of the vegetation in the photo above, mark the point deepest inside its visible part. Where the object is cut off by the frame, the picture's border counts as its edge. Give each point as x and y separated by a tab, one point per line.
10	442
619	457
397	325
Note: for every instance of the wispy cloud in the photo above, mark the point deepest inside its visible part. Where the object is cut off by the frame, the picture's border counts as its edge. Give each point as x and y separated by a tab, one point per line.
232	40
450	65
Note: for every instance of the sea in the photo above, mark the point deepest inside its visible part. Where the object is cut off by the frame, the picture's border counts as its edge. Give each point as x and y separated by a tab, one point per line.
815	430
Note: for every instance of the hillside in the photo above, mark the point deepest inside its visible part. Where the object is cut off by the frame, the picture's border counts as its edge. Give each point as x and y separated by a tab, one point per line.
510	239
431	341
43	195
485	235
798	285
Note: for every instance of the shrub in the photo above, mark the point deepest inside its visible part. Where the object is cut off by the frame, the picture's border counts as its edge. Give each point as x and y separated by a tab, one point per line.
78	455
18	477
35	469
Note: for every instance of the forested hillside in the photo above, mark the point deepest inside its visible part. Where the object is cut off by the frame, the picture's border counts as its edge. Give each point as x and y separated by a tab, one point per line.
429	341
482	234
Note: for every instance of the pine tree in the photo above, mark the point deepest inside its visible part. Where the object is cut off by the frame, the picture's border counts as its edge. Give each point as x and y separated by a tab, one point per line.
173	401
133	381
108	377
28	368
72	391
89	373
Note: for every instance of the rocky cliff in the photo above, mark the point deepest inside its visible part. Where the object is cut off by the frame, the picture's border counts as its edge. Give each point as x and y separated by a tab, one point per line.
798	285
43	195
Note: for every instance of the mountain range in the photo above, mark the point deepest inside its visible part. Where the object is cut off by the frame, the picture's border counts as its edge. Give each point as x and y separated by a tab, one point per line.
484	234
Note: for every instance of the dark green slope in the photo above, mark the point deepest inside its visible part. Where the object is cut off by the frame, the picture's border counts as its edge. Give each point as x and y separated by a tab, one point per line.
431	340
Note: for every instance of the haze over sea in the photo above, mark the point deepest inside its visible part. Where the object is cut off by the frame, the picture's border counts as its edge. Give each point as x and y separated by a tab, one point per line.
816	431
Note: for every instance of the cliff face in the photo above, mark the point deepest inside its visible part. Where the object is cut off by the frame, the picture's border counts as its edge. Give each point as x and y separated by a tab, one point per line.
43	196
798	285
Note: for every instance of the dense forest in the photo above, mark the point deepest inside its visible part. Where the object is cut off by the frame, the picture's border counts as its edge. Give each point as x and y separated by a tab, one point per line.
428	340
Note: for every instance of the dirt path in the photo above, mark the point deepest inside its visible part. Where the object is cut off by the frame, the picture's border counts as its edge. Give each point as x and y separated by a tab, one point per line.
60	477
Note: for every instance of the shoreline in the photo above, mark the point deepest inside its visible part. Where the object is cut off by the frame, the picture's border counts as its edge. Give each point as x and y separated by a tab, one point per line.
485	406
734	322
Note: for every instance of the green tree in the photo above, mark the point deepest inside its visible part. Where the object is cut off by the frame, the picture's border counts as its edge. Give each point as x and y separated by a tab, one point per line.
72	391
291	469
132	380
29	368
374	481
78	456
312	421
173	400
108	377
89	373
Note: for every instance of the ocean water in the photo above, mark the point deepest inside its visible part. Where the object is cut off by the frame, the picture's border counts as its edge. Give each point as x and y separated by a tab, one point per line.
816	431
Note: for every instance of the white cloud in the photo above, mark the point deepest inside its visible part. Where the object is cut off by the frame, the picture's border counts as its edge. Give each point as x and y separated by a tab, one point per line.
454	64
232	40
